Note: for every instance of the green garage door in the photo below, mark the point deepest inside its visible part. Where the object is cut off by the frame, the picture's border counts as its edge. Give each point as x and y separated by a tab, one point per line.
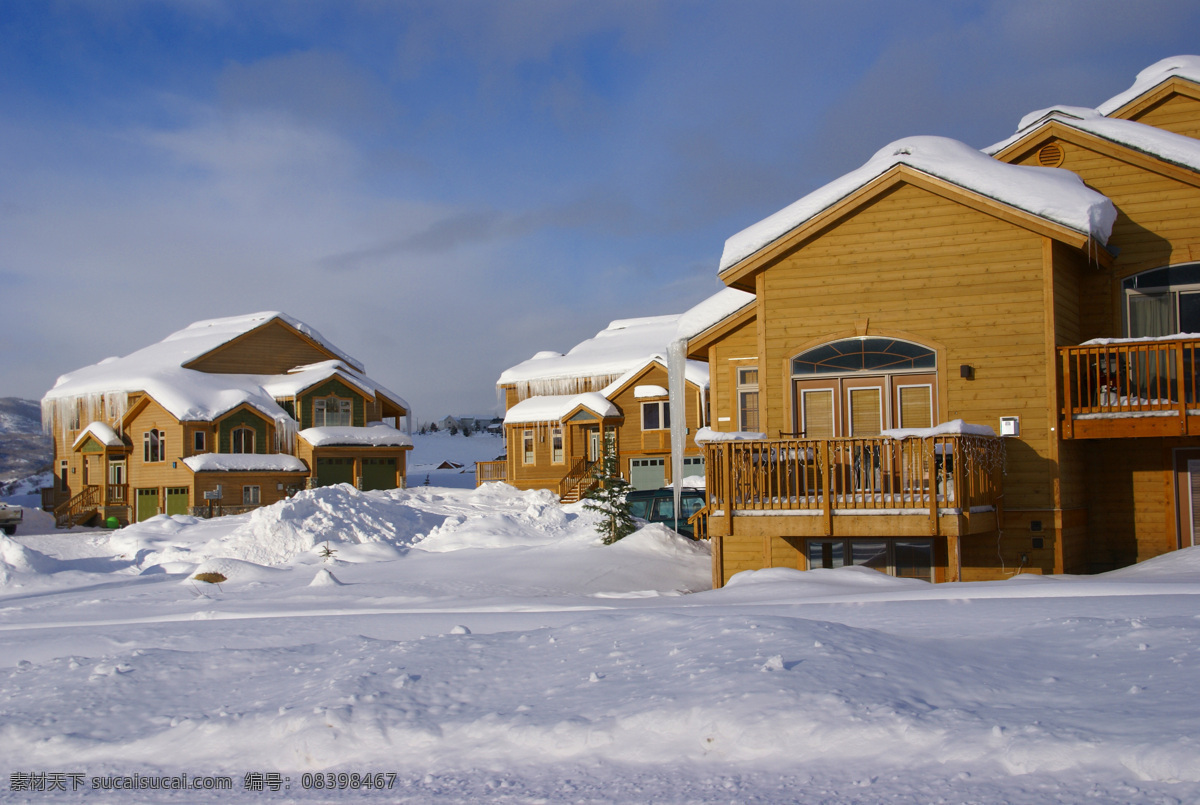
647	473
379	473
147	504
177	500
335	471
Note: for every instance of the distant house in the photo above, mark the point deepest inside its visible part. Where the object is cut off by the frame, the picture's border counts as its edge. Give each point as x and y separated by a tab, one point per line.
561	408
228	413
960	364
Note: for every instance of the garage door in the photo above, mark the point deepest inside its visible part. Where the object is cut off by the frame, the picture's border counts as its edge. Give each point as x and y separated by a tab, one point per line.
335	471
647	473
379	473
177	500
147	504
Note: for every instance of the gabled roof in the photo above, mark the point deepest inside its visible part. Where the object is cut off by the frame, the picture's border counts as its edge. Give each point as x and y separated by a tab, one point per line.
1057	196
623	345
1166	146
695	372
1182	67
159	371
558	407
102	433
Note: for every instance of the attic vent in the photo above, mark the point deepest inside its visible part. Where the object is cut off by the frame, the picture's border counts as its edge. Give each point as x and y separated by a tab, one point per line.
1051	156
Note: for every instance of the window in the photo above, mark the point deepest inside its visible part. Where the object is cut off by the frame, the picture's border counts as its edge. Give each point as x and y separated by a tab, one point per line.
241	440
747	398
527	445
858	387
656	415
331	412
198	441
1163	301
250	495
154	446
556	445
906	558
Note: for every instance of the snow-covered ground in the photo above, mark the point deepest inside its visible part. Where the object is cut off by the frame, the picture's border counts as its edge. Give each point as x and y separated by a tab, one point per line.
432	449
481	645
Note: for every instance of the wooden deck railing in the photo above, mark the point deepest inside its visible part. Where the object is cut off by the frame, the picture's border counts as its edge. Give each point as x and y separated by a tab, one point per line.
1148	379
116	494
956	472
486	471
576	481
77	508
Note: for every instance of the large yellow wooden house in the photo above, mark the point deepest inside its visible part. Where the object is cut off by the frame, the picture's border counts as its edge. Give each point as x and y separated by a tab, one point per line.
221	417
966	365
561	408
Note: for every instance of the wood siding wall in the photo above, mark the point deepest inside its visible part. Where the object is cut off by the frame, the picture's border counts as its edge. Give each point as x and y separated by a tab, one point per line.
1177	113
945	275
738	347
272	349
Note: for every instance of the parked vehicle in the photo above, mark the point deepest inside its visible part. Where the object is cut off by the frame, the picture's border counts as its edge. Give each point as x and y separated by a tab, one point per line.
9	517
658	506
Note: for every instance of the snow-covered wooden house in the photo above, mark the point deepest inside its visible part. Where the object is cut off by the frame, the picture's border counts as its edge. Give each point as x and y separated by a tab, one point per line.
560	408
224	415
967	364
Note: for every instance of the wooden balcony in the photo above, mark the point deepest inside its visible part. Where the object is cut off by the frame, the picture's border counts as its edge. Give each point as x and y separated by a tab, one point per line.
1130	388
487	471
909	487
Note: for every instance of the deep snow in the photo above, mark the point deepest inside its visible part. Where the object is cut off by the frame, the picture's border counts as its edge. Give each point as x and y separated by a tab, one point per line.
483	646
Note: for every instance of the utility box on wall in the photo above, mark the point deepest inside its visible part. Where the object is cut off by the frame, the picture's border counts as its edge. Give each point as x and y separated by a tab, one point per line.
1010	426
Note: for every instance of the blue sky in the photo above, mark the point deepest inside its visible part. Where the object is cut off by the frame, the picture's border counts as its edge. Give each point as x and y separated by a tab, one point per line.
444	188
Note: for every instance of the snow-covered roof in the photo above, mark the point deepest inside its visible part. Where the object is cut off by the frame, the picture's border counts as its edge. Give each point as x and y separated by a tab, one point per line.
695	372
707	435
622	345
1051	193
304	377
244	462
712	311
1168	146
553	407
191	395
646	392
102	433
378	435
1182	66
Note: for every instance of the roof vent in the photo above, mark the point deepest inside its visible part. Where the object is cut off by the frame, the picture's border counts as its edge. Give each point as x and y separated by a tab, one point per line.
1051	155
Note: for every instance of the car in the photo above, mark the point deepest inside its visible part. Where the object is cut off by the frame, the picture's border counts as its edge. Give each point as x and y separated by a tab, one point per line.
658	506
9	517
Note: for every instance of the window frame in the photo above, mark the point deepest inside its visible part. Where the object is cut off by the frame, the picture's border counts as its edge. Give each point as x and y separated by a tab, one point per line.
233	440
198	441
746	388
251	495
154	446
528	447
663	414
322	413
557	444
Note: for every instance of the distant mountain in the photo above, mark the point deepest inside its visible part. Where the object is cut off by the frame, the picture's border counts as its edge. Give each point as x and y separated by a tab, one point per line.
20	416
24	449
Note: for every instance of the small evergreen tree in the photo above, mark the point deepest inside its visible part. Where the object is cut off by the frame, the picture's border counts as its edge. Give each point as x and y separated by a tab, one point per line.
607	497
453	429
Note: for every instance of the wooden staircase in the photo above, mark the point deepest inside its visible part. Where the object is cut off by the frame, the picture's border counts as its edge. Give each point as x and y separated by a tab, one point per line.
78	509
577	482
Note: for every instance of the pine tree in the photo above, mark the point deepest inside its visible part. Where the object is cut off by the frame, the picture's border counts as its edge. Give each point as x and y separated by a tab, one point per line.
607	496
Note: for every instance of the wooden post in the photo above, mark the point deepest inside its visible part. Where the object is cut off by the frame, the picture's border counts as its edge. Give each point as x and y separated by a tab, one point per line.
826	488
1180	388
1068	417
931	443
727	462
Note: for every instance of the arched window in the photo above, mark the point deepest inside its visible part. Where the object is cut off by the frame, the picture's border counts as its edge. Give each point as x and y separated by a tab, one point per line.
1162	301
241	440
862	386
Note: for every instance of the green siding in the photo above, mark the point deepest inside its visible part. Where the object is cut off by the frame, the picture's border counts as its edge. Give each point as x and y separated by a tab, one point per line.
238	420
334	388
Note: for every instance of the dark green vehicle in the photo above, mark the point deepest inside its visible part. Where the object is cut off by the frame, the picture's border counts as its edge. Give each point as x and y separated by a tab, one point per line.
658	506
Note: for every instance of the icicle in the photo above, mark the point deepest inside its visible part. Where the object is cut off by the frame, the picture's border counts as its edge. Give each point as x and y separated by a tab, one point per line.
285	434
677	390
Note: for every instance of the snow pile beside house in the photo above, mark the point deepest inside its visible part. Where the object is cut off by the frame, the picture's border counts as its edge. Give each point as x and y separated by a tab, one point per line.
1054	194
